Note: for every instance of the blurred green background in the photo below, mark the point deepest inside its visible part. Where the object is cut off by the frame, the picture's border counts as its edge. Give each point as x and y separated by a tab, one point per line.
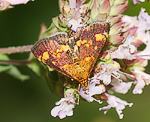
31	100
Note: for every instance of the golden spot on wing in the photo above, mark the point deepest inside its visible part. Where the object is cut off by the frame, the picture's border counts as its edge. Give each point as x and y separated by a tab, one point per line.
88	59
87	45
83	41
58	55
78	43
80	70
64	48
45	56
100	37
53	62
57	51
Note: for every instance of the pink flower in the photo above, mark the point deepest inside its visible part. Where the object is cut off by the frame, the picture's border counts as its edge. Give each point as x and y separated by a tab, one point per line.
117	103
125	50
121	87
5	4
108	71
16	2
95	88
142	25
65	106
142	79
138	1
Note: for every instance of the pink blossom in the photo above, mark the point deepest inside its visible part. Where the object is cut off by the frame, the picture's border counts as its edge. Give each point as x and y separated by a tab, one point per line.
117	103
138	1
121	87
142	25
5	4
16	2
65	106
142	79
94	88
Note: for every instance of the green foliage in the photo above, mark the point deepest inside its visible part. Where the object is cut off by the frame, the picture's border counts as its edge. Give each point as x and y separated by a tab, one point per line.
4	68
11	70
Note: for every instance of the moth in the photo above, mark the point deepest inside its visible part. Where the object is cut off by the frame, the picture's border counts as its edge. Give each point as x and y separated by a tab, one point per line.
73	55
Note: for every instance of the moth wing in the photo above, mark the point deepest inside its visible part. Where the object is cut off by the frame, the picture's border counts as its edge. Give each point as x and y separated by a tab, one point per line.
90	43
53	51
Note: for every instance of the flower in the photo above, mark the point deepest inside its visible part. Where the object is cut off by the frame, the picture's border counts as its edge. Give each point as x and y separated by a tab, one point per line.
16	2
141	22
95	88
107	71
142	25
121	87
138	1
65	106
117	103
4	4
75	23
125	50
141	79
73	13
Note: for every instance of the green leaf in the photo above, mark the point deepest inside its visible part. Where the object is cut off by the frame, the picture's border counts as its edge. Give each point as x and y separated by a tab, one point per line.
13	71
4	68
4	57
62	26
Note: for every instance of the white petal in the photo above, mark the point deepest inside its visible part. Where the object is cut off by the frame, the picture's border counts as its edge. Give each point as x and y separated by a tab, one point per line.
54	111
99	89
117	103
15	2
62	114
142	79
138	89
126	50
121	87
95	88
65	106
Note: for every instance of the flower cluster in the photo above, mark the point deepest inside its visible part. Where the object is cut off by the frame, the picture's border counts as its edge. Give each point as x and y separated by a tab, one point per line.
121	63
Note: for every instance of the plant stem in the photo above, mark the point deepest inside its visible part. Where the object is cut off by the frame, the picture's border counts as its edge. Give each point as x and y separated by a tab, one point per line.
19	49
15	62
